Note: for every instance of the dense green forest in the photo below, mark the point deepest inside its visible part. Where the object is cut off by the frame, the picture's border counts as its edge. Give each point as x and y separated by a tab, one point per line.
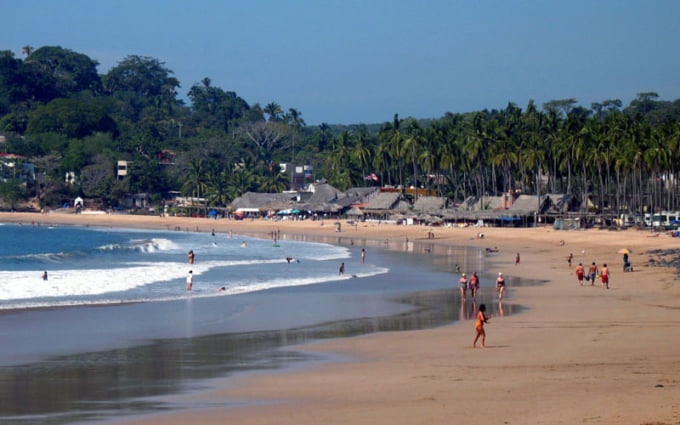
59	114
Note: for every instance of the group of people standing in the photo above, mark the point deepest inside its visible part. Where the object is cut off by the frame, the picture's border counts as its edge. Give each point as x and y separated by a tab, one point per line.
472	284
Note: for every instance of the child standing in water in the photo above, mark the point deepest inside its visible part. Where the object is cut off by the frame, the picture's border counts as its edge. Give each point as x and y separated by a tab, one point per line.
479	326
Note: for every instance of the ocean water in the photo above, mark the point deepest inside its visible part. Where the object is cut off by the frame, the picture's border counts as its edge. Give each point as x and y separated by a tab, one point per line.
93	266
113	332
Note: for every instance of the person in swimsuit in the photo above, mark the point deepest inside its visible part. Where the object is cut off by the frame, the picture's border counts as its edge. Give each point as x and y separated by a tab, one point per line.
474	285
517	259
604	273
569	258
592	272
463	285
500	285
579	273
479	326
190	256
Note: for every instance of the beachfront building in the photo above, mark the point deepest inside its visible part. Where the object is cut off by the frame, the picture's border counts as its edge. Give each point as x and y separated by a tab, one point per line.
321	200
15	166
382	205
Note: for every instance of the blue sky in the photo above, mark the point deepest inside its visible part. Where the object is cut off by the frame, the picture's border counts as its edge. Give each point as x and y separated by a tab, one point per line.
351	61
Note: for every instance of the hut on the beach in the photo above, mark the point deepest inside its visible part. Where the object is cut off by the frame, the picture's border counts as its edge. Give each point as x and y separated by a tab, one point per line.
256	204
430	205
381	206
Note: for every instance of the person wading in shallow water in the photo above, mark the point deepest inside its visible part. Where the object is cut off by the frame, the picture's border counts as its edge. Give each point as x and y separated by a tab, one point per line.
463	285
474	285
190	280
500	285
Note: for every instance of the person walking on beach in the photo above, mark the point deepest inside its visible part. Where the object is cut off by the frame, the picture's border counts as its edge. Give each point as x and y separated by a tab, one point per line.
604	274
463	285
474	285
579	273
500	285
569	258
341	269
592	272
190	256
517	259
190	280
479	326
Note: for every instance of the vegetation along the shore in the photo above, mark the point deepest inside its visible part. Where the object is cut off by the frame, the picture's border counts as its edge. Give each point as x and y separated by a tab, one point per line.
73	125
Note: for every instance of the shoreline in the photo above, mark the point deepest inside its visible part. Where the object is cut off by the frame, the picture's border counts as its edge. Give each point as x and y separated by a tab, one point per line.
575	354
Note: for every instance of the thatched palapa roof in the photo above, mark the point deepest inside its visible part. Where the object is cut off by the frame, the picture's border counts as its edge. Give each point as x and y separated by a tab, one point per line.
476	203
430	204
524	204
383	202
264	201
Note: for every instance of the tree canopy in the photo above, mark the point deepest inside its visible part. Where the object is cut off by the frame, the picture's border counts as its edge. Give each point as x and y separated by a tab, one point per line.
60	114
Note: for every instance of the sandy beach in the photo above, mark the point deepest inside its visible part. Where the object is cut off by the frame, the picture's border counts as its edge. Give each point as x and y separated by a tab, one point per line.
578	354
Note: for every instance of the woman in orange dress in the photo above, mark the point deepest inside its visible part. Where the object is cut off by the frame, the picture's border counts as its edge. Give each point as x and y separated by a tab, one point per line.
479	326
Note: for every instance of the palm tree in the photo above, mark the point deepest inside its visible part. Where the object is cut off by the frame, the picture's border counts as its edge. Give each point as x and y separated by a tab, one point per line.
242	181
297	123
339	162
472	149
450	156
411	147
532	151
27	50
361	151
381	162
274	111
195	184
217	185
427	157
272	180
395	143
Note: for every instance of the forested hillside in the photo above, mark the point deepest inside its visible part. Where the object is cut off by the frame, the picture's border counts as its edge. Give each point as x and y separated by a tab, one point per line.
60	115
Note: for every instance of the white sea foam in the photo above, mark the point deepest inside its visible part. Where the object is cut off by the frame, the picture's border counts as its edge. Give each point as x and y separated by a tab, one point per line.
245	287
142	245
144	266
163	281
